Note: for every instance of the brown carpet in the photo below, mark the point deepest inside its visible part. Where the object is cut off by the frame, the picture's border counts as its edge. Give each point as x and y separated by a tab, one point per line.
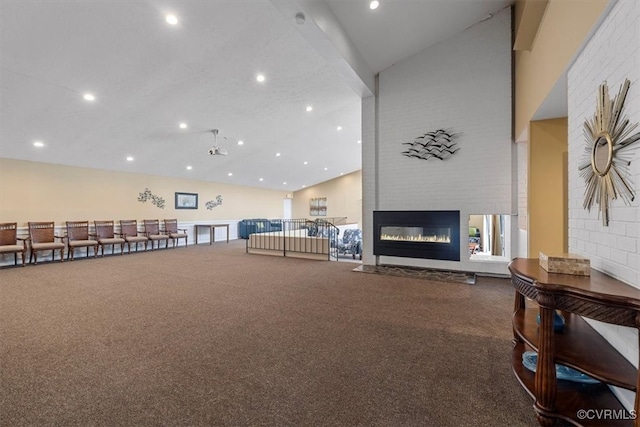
209	335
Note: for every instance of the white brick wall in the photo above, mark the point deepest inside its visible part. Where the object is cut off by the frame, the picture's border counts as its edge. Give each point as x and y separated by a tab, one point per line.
612	54
368	177
463	83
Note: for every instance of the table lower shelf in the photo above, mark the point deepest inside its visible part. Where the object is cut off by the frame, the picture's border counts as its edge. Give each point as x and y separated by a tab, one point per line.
597	399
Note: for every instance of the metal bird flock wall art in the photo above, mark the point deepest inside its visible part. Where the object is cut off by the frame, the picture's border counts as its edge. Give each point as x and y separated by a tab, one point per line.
439	144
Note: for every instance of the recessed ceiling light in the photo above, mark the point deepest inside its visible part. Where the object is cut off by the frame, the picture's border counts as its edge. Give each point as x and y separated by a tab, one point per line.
241	142
359	141
261	179
260	77
129	159
326	169
339	128
38	144
341	173
304	186
306	163
183	125
189	168
89	97
230	174
171	19
284	183
374	4
309	108
278	154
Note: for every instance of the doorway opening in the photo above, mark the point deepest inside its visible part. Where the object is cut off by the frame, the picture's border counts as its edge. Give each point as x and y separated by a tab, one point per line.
489	237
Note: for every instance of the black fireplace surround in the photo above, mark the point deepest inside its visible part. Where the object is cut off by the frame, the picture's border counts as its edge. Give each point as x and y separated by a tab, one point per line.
417	234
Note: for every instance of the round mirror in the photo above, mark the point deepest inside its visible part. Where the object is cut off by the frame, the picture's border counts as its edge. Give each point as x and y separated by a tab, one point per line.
604	177
602	154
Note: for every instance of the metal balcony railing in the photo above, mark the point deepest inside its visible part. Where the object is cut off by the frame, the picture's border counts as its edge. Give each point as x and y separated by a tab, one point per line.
316	239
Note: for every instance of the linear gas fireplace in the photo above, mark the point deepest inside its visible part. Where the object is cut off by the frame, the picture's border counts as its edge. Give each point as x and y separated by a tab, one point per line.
417	234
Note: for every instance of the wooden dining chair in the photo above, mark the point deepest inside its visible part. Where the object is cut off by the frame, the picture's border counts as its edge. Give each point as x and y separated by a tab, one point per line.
42	237
130	234
105	234
175	233
9	241
78	237
152	231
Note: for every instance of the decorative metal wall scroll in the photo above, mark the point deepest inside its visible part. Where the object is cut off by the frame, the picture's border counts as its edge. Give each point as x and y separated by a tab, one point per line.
604	168
146	196
439	144
213	203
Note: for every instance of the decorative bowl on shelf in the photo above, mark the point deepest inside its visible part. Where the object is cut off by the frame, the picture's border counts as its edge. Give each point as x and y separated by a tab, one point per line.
530	361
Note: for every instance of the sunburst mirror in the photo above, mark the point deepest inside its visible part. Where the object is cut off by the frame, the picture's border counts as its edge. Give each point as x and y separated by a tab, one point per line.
607	135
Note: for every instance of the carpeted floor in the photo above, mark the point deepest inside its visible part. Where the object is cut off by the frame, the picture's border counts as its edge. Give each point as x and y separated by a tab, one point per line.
209	335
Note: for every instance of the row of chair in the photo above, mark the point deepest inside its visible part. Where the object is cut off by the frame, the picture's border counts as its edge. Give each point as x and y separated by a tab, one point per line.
42	237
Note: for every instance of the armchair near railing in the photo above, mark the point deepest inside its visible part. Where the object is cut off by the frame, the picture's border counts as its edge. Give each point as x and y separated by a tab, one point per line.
42	237
351	243
9	241
78	237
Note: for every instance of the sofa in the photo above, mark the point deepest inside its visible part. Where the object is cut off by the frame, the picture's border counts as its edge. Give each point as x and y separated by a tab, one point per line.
258	225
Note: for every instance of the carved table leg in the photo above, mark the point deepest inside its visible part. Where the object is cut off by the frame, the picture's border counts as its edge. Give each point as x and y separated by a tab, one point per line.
545	380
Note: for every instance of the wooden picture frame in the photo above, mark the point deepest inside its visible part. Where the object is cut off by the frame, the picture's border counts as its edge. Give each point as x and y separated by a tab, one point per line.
186	200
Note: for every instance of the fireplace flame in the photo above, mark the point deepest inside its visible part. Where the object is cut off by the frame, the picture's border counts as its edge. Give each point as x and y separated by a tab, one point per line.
418	238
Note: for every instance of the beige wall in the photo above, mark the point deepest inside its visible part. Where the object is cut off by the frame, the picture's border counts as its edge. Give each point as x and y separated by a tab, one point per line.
547	179
32	191
344	198
564	27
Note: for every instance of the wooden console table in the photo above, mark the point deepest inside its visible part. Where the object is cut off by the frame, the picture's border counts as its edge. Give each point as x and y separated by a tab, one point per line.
212	231
579	346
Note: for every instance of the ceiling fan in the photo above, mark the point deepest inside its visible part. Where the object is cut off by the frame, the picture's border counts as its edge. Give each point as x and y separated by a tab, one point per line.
216	150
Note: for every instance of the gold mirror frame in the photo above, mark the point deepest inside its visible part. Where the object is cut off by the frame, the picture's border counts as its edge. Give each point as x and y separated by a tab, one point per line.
608	124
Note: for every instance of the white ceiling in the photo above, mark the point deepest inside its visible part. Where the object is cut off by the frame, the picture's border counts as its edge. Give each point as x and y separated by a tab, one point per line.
148	76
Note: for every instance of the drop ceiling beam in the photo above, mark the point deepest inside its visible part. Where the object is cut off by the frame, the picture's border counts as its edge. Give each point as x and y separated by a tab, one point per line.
324	34
529	15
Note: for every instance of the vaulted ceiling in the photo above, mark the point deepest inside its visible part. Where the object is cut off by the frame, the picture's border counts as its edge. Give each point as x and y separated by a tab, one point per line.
149	76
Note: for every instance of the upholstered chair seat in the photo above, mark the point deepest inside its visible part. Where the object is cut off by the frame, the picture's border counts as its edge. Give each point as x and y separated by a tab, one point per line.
7	249
111	241
82	243
47	246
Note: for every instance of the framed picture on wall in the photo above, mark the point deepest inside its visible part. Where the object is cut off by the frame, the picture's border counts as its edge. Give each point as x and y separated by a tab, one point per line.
186	200
318	206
